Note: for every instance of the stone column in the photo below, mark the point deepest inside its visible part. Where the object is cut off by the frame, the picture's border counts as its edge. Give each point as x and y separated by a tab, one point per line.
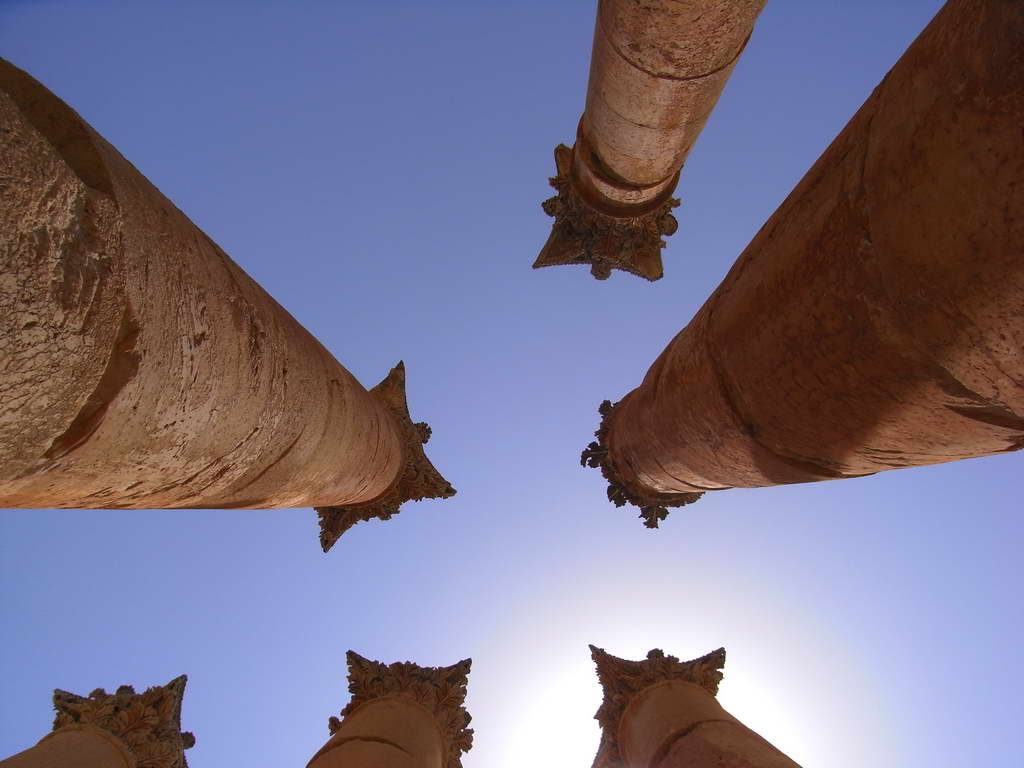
143	368
662	713
120	730
400	716
656	72
877	319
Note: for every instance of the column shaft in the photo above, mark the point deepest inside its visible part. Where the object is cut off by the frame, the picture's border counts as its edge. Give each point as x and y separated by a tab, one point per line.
656	72
877	319
392	732
676	724
657	69
662	713
401	715
142	367
73	747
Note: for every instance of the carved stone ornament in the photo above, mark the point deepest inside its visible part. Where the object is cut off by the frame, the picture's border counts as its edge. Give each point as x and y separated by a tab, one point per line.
148	723
417	480
622	679
441	690
654	508
583	235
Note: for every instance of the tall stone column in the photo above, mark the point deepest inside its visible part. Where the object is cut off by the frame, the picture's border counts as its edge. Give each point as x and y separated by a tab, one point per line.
123	729
662	713
877	319
143	368
656	71
400	716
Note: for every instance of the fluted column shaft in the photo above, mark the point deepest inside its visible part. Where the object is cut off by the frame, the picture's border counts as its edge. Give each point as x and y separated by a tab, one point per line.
877	319
142	367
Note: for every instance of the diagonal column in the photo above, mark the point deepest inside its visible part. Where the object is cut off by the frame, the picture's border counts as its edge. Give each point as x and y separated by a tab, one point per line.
401	715
877	319
662	713
656	71
143	368
104	730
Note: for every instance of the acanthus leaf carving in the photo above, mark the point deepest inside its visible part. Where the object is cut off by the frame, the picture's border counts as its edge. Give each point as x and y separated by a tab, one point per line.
653	509
440	690
583	235
621	680
417	480
147	723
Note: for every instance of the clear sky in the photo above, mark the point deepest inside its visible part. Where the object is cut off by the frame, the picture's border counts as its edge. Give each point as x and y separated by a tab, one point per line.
379	169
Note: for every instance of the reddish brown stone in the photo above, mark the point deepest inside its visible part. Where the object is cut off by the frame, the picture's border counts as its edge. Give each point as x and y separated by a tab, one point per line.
143	368
877	319
662	713
656	72
401	715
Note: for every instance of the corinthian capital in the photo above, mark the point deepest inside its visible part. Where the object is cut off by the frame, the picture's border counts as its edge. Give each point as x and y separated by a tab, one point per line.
440	690
418	479
622	680
148	723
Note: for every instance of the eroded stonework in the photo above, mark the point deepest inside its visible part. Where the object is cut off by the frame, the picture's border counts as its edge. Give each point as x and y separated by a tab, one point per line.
440	690
148	723
583	235
418	479
653	509
622	679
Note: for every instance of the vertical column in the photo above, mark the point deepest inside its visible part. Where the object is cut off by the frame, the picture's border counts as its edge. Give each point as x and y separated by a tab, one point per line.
400	716
662	713
143	368
124	729
656	72
877	319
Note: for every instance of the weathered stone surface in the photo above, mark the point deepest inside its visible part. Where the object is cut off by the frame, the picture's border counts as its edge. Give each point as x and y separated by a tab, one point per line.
877	319
401	715
662	712
722	744
142	367
104	730
418	480
656	71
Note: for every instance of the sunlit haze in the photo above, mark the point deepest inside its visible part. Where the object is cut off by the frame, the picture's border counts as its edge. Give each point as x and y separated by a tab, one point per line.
378	168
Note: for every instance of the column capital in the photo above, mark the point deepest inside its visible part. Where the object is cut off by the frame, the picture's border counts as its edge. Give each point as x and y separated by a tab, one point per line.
622	680
653	507
439	690
418	480
630	240
147	723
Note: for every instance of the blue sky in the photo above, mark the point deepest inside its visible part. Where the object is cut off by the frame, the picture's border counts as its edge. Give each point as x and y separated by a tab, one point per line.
379	169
